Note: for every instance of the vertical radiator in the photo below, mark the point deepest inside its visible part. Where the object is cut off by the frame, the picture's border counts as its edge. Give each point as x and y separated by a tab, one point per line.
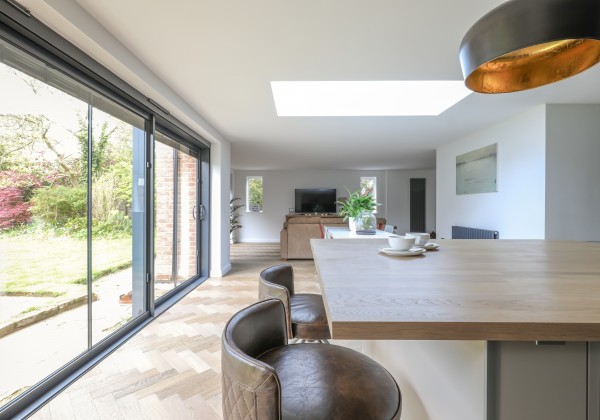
461	232
417	204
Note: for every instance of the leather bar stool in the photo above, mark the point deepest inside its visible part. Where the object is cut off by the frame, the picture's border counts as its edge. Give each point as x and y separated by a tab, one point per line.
304	312
263	378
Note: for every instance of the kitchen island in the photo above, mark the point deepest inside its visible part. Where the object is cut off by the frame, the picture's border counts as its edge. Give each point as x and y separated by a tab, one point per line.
469	328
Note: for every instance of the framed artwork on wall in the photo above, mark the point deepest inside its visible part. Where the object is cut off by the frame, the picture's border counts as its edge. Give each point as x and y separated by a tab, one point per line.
477	171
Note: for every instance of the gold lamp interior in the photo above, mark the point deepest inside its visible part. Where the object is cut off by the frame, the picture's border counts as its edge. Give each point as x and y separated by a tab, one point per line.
534	66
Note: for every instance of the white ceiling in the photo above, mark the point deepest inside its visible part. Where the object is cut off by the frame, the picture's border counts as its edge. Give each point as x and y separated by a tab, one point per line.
220	57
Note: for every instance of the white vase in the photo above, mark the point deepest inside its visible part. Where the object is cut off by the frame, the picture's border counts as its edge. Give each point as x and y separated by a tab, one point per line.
352	224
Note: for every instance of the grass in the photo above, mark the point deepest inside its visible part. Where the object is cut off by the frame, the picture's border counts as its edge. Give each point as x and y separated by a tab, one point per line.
30	309
37	266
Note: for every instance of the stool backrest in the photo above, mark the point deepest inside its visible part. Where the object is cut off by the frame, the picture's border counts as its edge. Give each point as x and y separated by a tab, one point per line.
277	282
251	388
282	274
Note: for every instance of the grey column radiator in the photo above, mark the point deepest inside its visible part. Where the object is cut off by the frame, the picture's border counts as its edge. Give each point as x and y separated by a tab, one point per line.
417	204
461	232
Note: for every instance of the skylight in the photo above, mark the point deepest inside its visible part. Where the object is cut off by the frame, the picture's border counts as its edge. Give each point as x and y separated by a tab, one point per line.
366	98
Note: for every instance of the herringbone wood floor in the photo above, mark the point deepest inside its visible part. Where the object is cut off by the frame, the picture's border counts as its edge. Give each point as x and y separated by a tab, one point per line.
171	369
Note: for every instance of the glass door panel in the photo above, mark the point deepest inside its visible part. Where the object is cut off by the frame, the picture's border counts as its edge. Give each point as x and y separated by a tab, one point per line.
61	289
43	247
115	165
177	213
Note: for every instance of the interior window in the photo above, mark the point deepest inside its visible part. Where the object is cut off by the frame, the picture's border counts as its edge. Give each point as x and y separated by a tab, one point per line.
254	194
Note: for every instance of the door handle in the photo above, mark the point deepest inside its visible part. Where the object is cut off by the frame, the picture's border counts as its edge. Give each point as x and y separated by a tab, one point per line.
194	212
202	212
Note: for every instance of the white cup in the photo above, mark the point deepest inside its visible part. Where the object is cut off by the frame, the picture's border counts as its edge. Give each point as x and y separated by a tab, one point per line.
401	243
420	238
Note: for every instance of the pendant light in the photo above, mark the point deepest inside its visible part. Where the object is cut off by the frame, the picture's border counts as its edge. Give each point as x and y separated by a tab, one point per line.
523	44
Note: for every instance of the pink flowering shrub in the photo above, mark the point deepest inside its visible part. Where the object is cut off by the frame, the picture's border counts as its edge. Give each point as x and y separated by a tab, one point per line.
23	181
13	209
16	189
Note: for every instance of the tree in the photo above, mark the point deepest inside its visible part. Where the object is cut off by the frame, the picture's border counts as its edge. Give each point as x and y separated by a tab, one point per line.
23	135
255	193
36	143
367	186
100	142
54	147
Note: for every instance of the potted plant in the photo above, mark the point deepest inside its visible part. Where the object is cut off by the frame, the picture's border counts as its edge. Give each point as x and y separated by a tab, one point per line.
354	205
234	216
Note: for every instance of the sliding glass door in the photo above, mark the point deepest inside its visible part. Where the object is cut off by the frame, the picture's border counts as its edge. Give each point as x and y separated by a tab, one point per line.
178	211
43	249
103	199
67	204
114	167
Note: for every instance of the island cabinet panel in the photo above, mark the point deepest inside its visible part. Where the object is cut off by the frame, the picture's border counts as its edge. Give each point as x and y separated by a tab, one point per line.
538	381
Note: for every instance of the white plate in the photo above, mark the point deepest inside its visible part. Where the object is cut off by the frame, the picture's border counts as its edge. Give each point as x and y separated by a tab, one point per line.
396	253
428	246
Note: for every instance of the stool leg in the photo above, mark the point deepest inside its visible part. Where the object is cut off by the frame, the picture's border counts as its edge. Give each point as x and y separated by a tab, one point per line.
308	340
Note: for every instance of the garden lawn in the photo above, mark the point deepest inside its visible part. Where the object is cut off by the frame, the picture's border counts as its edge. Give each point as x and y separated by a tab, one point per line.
33	266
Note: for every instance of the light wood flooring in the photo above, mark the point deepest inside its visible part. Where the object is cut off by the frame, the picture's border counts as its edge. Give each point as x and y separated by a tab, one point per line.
171	369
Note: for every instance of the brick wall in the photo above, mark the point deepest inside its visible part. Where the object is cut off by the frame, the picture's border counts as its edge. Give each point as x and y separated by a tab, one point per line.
186	264
186	225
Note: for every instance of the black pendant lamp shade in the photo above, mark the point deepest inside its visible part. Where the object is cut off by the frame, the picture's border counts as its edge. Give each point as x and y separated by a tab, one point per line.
523	44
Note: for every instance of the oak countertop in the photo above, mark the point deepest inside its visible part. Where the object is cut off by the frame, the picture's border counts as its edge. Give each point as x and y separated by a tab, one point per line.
467	290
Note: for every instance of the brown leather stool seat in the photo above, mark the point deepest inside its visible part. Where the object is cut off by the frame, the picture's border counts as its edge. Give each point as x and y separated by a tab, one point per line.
263	378
332	382
305	312
308	316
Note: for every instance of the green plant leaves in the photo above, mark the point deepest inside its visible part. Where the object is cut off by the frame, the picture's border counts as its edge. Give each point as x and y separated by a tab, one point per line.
356	203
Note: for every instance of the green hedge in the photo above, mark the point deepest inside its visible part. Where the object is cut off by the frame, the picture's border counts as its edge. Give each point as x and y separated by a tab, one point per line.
58	205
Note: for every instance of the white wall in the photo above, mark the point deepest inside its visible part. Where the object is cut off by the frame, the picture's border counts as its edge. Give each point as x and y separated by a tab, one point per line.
278	198
573	172
220	262
517	210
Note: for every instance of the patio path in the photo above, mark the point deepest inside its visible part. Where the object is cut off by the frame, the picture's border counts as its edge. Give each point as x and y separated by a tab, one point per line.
30	354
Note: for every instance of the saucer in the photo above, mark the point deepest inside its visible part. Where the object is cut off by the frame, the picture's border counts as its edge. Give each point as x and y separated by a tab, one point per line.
429	246
397	253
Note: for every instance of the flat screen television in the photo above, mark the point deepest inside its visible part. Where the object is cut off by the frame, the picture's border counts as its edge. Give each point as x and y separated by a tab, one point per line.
315	200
